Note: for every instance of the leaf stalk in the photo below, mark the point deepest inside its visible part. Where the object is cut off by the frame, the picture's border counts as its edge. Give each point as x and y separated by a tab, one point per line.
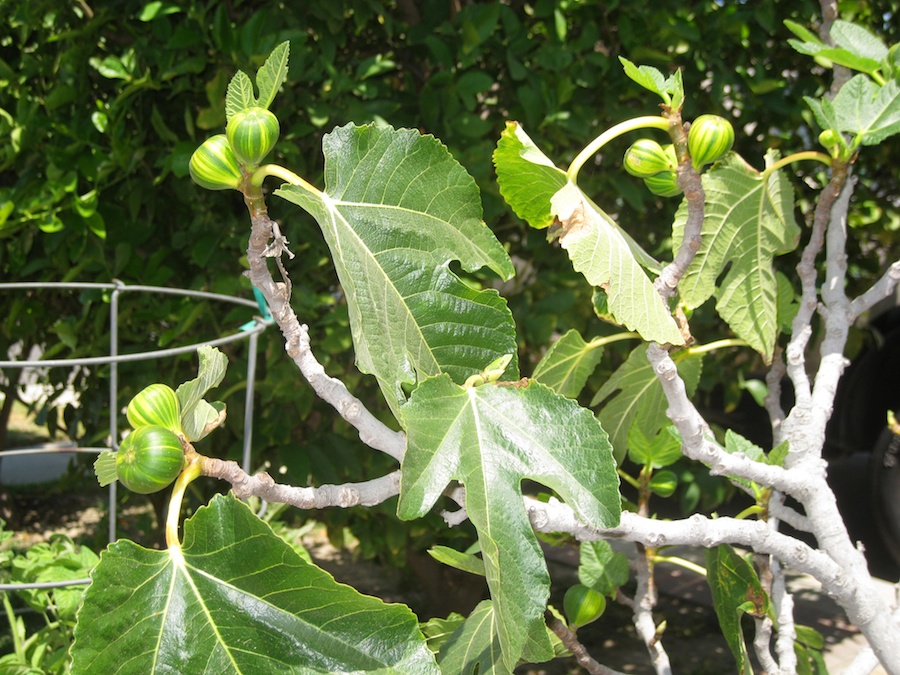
645	122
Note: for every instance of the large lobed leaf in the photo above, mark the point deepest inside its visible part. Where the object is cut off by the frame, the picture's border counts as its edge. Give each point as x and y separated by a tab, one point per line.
633	395
748	220
491	438
862	108
568	364
235	599
397	209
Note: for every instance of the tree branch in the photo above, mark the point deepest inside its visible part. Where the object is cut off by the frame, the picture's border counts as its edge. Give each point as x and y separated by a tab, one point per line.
881	289
689	181
573	644
372	431
262	485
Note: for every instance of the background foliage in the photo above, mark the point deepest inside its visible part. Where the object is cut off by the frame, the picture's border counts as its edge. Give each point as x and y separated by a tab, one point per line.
101	105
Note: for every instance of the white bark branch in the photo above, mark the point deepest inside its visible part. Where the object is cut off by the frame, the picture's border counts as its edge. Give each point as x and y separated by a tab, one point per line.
262	485
372	431
881	289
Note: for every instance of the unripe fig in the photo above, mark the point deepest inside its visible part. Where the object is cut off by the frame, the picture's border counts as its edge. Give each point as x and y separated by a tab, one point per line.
709	138
664	483
252	133
646	158
149	459
214	165
155	405
830	139
664	184
582	605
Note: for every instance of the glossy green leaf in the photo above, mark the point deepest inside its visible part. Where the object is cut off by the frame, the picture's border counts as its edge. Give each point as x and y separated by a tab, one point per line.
397	210
568	364
633	395
736	590
749	219
602	568
491	438
528	178
599	251
235	599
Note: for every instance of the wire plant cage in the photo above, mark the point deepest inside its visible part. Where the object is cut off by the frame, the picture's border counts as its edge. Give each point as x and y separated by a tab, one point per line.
258	321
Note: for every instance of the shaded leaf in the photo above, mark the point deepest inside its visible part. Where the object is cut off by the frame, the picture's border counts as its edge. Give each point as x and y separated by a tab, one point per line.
598	250
601	568
396	211
661	450
235	599
633	395
736	590
492	437
568	364
474	647
748	221
457	559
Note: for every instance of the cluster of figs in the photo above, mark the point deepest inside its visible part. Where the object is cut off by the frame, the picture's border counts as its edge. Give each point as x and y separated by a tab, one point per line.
152	455
221	162
709	138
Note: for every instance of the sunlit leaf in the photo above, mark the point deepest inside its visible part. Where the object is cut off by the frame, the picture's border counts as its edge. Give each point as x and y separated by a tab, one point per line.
602	255
235	599
736	590
748	221
239	95
397	210
272	74
491	438
528	178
